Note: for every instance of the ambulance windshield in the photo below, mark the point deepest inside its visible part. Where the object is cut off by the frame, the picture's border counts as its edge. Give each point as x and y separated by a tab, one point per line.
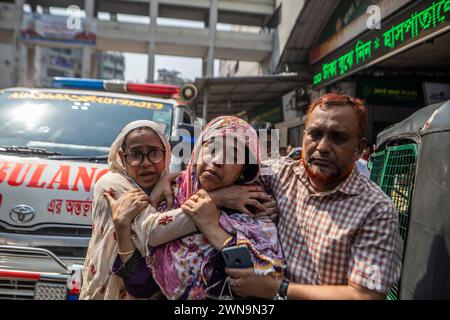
72	124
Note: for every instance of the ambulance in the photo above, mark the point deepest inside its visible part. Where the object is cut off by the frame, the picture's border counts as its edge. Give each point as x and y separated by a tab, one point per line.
53	149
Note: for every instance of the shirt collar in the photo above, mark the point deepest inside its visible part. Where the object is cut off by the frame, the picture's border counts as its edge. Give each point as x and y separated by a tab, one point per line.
350	186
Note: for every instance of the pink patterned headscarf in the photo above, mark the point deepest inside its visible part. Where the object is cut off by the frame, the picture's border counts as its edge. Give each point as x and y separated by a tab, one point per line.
184	268
224	127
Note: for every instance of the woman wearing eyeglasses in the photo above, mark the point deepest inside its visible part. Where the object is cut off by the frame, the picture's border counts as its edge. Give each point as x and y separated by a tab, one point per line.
137	159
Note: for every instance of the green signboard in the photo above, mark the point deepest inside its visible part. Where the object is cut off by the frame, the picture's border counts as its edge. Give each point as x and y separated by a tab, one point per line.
380	91
424	18
270	112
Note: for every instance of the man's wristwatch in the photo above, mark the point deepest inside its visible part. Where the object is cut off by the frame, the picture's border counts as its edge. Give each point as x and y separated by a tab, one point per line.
282	291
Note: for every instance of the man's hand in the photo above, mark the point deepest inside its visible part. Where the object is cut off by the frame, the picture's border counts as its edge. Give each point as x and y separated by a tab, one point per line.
163	190
245	283
203	211
271	210
127	207
238	197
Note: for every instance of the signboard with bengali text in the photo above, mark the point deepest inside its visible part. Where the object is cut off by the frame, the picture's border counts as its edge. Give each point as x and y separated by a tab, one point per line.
424	18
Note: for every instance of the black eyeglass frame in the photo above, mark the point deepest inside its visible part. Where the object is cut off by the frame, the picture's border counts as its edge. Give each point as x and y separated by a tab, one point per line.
125	155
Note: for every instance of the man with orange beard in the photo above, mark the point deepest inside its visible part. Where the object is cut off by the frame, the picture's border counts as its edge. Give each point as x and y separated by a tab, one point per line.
338	230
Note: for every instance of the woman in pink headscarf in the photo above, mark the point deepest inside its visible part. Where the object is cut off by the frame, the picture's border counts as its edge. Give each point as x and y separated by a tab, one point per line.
189	264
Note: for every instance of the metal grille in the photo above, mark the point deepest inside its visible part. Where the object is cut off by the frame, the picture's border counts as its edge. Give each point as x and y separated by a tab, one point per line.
376	166
50	291
398	180
12	289
393	293
393	170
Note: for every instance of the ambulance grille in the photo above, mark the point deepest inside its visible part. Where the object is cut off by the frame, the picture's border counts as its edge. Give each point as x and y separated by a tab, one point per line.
53	231
12	289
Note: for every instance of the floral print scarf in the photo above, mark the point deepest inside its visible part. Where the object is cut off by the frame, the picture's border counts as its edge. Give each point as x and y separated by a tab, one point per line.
185	268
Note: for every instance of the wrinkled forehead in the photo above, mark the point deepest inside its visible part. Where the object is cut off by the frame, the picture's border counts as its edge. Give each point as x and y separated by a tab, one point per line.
142	138
334	118
226	142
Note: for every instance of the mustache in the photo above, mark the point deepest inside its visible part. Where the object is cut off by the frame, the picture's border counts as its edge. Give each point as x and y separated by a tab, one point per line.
320	158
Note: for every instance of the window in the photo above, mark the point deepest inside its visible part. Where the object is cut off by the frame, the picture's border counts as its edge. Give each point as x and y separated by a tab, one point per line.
186	118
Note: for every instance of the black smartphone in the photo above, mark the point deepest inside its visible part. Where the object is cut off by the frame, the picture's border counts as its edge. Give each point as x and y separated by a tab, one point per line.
237	257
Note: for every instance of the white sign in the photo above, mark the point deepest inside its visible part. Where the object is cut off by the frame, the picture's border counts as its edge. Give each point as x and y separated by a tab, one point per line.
436	92
45	27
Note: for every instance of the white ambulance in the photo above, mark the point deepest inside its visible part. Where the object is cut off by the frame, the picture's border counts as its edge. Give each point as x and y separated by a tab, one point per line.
53	148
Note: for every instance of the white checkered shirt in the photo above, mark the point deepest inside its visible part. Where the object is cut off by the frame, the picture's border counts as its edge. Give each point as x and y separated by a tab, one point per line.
349	233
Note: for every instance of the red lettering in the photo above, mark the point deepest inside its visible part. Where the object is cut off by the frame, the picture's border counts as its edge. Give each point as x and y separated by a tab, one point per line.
3	172
12	180
34	181
101	174
63	175
85	179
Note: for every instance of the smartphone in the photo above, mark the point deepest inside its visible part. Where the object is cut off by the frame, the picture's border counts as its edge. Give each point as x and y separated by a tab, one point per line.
237	257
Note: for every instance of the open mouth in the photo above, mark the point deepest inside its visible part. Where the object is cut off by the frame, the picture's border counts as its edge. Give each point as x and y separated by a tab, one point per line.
147	176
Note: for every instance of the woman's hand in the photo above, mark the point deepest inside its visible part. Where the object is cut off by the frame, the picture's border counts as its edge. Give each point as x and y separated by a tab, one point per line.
202	210
238	197
127	207
163	190
205	214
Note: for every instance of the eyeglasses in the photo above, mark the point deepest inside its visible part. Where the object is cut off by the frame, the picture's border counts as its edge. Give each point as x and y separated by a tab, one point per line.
135	158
